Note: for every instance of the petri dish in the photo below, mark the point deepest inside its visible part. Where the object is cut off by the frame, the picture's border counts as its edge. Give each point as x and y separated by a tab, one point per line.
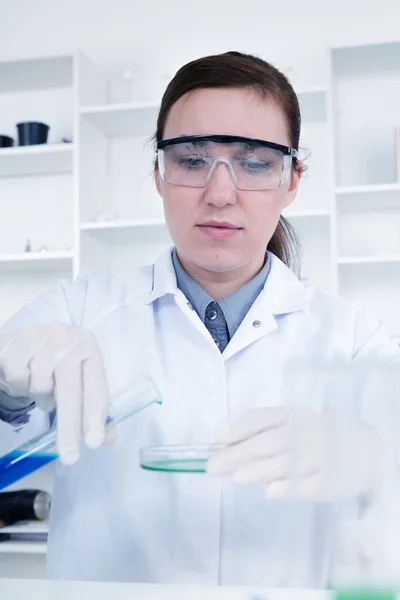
177	459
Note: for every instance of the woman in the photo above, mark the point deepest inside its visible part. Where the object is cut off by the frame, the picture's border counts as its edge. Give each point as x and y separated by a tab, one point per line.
215	323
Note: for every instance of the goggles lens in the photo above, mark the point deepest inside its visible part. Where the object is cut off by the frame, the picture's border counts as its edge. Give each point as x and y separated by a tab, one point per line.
252	165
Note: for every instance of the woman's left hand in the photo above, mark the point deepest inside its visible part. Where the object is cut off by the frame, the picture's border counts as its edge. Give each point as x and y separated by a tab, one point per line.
297	453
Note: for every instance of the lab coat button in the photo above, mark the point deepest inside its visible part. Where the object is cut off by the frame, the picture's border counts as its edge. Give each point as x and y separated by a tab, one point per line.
257	324
216	343
190	306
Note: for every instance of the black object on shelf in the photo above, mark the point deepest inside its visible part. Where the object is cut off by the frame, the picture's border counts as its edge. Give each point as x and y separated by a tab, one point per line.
6	141
24	505
32	132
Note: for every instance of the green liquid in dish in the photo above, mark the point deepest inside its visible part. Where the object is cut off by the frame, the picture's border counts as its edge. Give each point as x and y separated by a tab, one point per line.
179	465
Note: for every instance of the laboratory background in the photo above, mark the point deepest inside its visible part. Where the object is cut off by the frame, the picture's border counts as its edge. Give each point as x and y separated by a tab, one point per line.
80	86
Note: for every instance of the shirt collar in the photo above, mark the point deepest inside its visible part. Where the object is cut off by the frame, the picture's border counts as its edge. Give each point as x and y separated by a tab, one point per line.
283	292
196	295
235	306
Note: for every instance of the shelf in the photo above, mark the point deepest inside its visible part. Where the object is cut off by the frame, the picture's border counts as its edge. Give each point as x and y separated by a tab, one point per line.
15	547
131	224
36	74
306	214
27	528
36	262
36	160
112	229
381	188
135	119
127	232
140	118
26	538
369	260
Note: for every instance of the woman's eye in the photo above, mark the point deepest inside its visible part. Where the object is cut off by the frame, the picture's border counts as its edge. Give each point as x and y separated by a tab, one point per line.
191	162
255	165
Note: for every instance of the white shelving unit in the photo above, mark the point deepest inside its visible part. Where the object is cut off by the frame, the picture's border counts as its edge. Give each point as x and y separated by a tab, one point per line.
370	260
36	74
36	262
25	539
24	554
36	160
305	214
32	528
367	185
94	206
380	188
23	559
20	547
122	119
104	178
119	225
36	182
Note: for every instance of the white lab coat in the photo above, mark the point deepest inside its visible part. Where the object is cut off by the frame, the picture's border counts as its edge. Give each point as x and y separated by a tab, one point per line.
110	519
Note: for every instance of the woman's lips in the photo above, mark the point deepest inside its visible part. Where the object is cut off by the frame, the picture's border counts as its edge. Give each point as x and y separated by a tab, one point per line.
219	230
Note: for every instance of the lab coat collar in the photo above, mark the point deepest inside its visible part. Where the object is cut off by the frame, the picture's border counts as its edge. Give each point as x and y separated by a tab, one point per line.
164	277
283	292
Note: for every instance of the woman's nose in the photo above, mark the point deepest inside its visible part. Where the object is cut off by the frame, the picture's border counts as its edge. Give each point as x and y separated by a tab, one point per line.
220	189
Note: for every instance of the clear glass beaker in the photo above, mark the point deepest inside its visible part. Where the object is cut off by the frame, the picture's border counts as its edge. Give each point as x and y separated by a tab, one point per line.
366	553
343	470
41	450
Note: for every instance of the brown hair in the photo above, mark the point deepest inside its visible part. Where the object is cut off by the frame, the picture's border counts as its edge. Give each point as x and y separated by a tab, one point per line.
237	70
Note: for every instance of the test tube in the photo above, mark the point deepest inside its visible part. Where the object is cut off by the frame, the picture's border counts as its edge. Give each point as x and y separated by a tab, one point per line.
41	450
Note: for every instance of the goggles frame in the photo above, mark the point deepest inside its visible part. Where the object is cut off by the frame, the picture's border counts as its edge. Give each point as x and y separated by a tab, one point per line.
228	139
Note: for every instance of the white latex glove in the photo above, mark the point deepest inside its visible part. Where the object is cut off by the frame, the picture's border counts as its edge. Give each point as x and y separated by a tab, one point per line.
298	454
59	365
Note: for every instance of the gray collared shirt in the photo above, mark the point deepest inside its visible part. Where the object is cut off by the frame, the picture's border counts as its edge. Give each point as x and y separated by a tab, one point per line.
222	318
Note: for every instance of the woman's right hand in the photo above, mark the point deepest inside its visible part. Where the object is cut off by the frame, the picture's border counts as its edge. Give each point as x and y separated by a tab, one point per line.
61	366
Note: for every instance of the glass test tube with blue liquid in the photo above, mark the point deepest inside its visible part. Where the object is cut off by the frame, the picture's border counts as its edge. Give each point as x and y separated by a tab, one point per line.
42	449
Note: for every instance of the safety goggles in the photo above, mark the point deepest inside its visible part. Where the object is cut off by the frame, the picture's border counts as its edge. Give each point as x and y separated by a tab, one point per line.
252	164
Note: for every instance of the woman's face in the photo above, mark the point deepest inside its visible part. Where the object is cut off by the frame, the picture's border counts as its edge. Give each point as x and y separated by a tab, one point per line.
254	215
